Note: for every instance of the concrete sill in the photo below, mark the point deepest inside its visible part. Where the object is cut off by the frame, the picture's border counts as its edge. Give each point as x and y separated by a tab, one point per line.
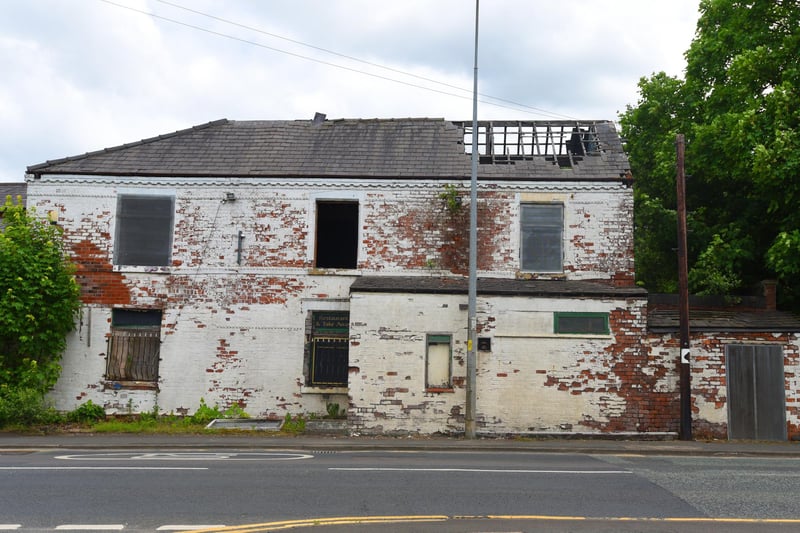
324	390
251	424
130	385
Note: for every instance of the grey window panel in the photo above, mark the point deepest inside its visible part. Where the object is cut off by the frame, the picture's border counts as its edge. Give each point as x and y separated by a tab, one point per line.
144	230
542	237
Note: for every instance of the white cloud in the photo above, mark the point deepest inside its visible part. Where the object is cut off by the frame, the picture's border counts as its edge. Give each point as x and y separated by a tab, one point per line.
81	76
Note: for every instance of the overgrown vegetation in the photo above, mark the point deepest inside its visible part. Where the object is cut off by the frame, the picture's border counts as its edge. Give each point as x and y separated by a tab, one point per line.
335	411
91	417
296	424
39	300
87	413
21	407
737	107
451	198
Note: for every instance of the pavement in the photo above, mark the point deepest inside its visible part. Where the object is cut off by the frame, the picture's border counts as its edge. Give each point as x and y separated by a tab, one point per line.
319	443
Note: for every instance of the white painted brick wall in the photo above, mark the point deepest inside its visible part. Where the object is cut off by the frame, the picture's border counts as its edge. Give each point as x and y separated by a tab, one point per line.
214	306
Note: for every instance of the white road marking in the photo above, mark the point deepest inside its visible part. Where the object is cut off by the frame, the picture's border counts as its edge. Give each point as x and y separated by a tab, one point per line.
187	456
103	468
488	470
190	528
9	527
91	527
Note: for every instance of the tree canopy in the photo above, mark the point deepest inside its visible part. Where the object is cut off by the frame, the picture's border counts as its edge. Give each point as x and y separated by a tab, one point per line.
738	109
39	299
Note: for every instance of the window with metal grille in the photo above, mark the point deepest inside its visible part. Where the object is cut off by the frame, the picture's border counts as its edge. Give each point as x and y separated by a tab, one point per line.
581	323
329	361
329	349
541	239
144	230
134	345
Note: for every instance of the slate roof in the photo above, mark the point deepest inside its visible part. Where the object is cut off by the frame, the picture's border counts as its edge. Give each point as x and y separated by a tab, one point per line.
13	190
346	148
709	320
494	287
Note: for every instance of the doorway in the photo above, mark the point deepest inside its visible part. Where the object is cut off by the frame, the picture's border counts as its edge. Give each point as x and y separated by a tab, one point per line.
756	392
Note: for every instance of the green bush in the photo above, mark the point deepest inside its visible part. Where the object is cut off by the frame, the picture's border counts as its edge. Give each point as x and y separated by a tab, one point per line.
293	425
39	301
150	416
25	407
234	411
87	413
335	411
206	414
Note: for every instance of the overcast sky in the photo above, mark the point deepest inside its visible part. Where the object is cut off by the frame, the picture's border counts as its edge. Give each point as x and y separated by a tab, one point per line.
82	75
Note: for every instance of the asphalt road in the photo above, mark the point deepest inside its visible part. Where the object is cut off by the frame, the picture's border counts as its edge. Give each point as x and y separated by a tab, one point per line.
150	490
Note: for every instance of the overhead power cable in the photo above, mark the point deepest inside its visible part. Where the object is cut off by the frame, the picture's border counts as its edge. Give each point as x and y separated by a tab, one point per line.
516	106
359	60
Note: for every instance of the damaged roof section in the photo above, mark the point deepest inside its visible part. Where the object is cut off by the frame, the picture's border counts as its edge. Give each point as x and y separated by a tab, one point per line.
564	143
364	148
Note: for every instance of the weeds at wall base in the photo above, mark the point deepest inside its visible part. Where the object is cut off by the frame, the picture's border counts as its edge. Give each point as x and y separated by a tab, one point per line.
91	418
36	417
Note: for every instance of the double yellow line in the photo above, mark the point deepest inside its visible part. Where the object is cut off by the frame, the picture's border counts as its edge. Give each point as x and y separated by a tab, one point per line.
309	522
356	520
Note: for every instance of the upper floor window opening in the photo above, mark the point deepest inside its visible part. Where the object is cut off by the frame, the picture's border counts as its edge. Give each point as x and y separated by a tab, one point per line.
337	235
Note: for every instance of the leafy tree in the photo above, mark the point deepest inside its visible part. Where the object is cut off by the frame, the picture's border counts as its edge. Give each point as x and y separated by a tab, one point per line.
738	108
39	299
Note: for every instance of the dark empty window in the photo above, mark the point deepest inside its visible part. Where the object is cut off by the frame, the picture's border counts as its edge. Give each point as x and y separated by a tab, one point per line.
134	345
337	235
144	230
581	323
542	227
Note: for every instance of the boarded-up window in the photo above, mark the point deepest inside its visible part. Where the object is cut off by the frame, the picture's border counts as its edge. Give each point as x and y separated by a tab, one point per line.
337	235
144	230
542	228
437	362
134	345
581	323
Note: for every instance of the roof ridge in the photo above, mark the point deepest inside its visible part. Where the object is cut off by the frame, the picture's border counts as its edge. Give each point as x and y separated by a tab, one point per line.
141	142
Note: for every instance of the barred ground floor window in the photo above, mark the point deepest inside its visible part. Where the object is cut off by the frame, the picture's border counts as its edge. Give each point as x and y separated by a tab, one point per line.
134	346
328	349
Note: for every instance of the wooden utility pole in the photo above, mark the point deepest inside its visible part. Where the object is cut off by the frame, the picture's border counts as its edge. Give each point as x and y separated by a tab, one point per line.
683	298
